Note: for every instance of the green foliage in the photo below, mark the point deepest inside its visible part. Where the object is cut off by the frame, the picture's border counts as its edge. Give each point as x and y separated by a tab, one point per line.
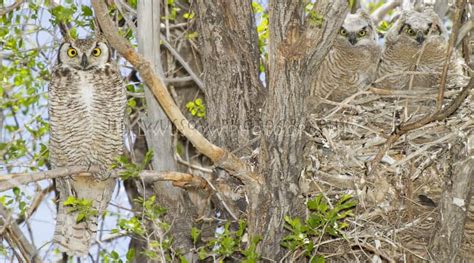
81	206
315	19
151	210
132	226
195	235
384	26
351	3
114	257
18	200
197	108
132	170
189	15
262	31
151	213
323	220
173	11
63	14
228	244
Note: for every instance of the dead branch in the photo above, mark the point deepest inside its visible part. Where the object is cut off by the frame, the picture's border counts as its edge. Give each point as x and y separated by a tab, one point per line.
382	11
8	9
219	156
404	128
183	180
23	249
451	45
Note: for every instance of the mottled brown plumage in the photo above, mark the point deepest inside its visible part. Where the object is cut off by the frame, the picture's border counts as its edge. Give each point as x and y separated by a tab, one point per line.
86	109
352	61
418	42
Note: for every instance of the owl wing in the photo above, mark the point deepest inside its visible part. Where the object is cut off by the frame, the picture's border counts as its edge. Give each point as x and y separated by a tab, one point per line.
57	99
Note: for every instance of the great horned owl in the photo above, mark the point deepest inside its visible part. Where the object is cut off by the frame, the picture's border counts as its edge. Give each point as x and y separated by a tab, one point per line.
417	42
87	103
352	61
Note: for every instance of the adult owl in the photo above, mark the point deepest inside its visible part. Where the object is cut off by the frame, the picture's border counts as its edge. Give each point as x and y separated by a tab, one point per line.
350	65
417	42
87	103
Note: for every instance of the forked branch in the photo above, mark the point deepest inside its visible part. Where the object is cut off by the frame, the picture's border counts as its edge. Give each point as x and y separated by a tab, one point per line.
219	156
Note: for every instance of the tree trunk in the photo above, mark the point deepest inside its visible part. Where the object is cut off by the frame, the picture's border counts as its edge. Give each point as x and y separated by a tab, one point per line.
446	242
158	130
297	46
230	56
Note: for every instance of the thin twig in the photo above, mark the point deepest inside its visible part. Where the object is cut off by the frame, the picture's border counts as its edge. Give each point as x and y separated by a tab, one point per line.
183	63
8	9
404	128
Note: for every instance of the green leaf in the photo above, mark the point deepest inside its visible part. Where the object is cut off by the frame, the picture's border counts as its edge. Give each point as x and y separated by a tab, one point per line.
195	233
71	200
130	255
80	217
86	11
189	15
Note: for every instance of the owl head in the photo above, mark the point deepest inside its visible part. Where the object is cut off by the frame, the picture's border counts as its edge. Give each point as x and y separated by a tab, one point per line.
357	30
84	54
415	28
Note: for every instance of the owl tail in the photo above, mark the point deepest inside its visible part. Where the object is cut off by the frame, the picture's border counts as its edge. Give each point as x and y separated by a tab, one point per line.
73	238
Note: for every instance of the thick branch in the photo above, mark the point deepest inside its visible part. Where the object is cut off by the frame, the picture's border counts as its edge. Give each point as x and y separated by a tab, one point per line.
219	156
183	180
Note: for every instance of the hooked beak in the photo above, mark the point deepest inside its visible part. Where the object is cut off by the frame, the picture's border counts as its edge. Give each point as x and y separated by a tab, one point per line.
420	37
352	38
84	62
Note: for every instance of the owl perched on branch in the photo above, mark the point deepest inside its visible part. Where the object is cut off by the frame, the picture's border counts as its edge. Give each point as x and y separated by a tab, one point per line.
417	42
87	103
351	64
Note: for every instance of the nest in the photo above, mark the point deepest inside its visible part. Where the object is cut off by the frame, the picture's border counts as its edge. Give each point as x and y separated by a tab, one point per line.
398	198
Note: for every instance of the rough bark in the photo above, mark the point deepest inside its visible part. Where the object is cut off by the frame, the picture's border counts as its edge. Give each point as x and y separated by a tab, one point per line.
297	46
230	60
230	56
447	240
158	129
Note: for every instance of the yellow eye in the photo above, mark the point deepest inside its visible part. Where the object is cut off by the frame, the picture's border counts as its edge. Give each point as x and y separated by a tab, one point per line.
96	52
343	32
71	52
410	31
362	33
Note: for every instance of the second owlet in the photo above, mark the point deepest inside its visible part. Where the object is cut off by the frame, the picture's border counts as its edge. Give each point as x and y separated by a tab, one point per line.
417	42
351	64
87	103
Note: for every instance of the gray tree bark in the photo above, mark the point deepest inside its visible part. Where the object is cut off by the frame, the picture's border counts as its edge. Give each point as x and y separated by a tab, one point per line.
230	58
455	202
297	46
158	130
